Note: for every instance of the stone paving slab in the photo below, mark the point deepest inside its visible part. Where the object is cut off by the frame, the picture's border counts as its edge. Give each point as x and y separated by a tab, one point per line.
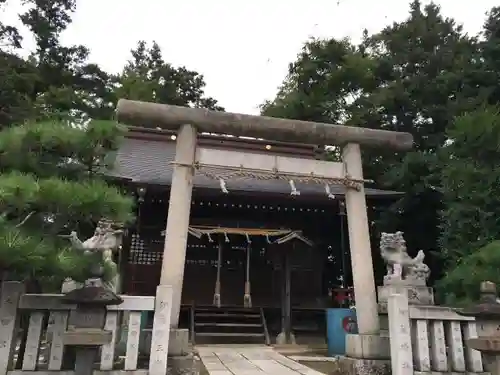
250	361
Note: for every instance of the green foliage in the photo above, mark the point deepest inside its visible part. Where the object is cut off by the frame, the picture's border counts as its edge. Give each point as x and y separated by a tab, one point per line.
489	47
416	76
470	184
78	201
404	78
40	147
321	82
25	254
53	159
57	81
423	68
149	78
51	183
18	79
460	286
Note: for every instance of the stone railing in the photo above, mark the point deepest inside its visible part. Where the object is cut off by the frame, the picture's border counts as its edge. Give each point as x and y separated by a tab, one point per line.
49	319
430	339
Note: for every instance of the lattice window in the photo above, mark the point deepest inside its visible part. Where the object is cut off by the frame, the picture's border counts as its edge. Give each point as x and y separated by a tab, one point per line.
140	254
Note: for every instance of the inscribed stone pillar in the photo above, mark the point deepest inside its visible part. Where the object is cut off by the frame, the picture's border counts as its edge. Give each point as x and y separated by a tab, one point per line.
359	243
400	335
176	233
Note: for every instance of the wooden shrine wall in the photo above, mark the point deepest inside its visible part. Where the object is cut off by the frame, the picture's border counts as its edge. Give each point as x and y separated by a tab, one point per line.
319	223
144	266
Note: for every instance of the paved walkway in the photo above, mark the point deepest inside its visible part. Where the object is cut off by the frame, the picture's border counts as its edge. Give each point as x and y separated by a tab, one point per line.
251	360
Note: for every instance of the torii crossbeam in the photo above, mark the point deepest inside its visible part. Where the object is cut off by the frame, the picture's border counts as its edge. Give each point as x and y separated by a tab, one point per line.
171	117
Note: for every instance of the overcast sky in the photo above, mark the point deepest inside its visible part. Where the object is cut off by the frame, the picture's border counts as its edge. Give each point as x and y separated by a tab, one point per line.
241	47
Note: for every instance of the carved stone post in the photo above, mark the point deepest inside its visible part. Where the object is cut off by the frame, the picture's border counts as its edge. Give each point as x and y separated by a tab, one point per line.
359	243
176	233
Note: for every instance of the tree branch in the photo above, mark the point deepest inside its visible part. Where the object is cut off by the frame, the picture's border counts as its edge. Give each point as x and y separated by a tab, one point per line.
25	219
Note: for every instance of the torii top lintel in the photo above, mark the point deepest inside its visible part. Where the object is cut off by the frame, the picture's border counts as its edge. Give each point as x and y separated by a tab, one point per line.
170	117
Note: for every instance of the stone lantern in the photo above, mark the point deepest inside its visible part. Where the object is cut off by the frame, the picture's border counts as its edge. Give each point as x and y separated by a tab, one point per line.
488	309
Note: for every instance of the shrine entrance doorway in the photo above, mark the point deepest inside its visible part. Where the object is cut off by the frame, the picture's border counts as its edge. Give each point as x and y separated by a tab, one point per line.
245	265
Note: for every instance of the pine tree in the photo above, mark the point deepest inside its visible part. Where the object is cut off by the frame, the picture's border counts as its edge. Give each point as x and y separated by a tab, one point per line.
148	77
51	183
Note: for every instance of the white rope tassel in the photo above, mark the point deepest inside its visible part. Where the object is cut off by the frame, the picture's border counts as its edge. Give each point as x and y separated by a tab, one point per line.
267	238
248	238
223	186
329	192
294	189
209	238
226	238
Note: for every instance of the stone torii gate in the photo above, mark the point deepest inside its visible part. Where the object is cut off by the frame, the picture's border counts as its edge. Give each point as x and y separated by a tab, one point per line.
189	121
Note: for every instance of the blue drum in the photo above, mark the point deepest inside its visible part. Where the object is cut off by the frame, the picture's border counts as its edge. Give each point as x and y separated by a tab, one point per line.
339	323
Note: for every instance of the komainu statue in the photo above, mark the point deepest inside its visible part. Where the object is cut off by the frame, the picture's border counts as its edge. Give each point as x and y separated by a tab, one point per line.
100	248
400	266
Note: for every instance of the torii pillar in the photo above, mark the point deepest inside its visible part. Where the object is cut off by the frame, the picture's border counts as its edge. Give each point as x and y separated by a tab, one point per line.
179	208
173	118
359	244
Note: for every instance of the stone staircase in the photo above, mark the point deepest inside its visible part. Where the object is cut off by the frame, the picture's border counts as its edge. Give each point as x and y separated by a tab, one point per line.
228	325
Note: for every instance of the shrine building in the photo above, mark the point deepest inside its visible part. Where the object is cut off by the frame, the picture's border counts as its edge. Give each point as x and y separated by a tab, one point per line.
263	254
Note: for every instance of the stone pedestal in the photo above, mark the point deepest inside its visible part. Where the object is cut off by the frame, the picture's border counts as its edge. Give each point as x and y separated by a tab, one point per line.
178	343
417	294
365	355
367	346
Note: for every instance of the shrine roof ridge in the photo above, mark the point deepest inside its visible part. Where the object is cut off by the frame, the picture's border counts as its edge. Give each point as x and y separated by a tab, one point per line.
149	162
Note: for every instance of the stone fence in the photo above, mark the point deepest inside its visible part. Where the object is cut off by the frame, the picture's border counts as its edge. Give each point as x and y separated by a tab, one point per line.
45	349
430	339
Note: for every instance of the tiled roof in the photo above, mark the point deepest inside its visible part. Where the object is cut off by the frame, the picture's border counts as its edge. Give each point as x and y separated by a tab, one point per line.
149	162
